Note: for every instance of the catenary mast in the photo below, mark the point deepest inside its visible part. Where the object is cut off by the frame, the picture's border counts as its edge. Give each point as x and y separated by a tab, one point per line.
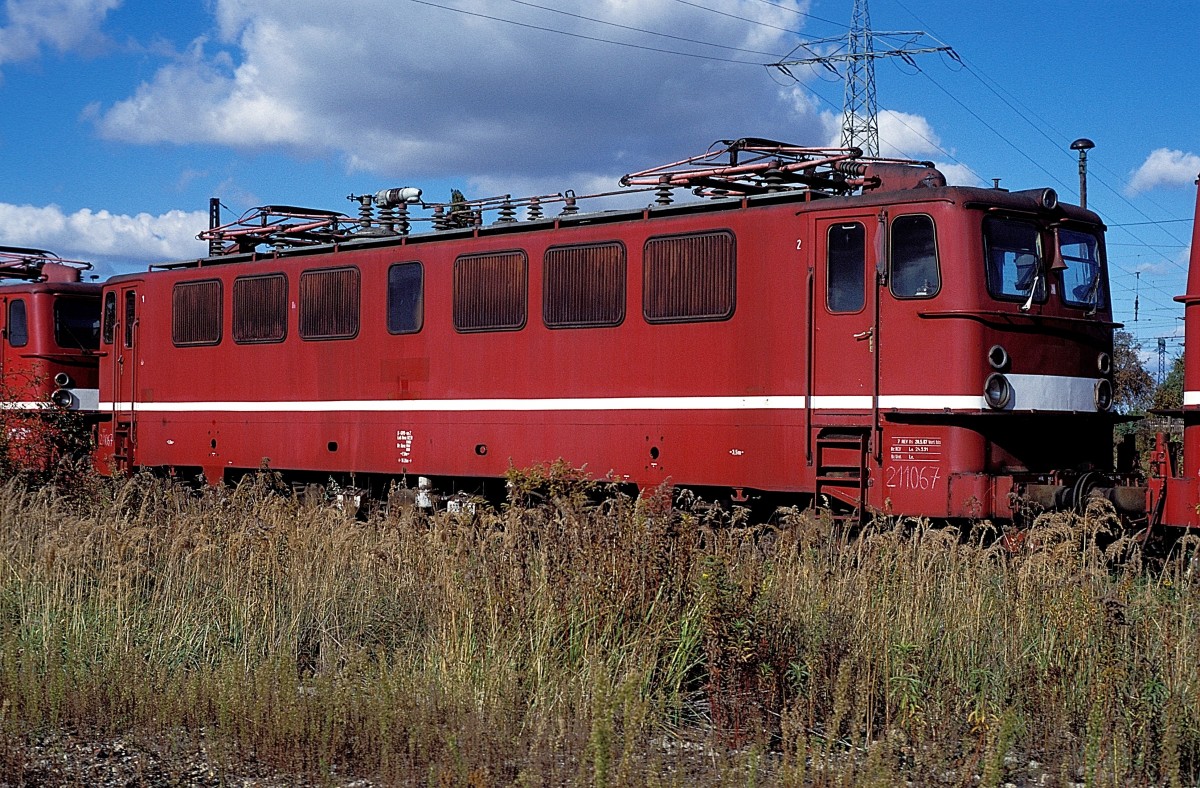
860	111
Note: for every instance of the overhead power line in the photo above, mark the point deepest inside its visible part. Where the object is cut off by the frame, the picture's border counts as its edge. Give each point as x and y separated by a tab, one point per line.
639	29
804	14
598	39
728	15
1160	221
1038	123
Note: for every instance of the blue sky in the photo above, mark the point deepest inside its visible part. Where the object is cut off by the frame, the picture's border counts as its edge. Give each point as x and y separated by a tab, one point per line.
120	118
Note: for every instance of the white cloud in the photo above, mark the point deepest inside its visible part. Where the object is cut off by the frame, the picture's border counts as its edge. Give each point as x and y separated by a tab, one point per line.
100	235
906	136
903	135
61	24
404	90
1164	167
959	174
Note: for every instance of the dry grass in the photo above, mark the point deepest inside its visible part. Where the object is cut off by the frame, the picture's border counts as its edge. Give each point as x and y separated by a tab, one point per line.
612	644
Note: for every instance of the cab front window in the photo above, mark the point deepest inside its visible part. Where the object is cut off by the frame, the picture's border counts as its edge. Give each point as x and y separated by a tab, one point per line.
1015	268
77	323
1083	277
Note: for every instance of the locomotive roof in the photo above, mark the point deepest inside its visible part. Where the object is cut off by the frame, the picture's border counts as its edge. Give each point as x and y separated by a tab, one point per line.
732	175
999	199
65	288
20	263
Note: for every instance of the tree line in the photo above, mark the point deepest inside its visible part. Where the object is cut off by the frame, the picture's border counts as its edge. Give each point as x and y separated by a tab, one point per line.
1135	392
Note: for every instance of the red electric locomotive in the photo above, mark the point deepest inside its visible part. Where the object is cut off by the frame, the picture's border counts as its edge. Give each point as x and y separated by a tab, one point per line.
48	341
1176	490
821	324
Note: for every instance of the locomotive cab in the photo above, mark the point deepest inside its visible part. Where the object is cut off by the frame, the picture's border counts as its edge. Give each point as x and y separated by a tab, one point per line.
1000	376
49	337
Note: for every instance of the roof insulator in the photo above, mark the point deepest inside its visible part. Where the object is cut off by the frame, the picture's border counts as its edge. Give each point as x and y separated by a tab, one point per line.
507	212
663	194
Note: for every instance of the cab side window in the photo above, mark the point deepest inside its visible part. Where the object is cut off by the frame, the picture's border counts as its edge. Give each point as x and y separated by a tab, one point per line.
130	316
18	324
915	271
110	316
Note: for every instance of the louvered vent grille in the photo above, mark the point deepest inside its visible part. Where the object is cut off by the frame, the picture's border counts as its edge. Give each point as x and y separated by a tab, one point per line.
689	278
260	308
490	291
195	313
329	303
584	286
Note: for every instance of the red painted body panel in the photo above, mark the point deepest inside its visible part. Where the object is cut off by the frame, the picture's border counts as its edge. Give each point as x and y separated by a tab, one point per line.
723	403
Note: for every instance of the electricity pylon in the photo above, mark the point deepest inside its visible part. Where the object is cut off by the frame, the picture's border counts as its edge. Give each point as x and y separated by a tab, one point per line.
860	111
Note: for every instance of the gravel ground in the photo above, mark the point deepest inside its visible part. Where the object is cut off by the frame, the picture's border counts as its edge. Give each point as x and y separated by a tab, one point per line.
69	759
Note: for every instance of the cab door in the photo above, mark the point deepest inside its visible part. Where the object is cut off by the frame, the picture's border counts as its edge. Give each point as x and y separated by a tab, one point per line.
124	313
843	388
845	318
16	371
4	351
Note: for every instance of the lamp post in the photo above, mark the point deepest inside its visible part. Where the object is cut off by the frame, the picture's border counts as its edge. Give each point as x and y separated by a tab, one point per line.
1083	145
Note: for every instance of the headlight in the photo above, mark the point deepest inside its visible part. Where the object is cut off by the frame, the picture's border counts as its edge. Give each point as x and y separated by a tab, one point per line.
997	391
1104	363
1104	395
62	398
998	357
63	380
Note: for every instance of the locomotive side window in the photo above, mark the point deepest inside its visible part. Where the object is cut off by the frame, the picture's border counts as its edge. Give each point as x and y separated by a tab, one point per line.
914	258
110	317
845	271
490	291
195	313
76	323
18	324
406	298
1083	281
260	308
1013	249
130	314
689	278
584	286
329	303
